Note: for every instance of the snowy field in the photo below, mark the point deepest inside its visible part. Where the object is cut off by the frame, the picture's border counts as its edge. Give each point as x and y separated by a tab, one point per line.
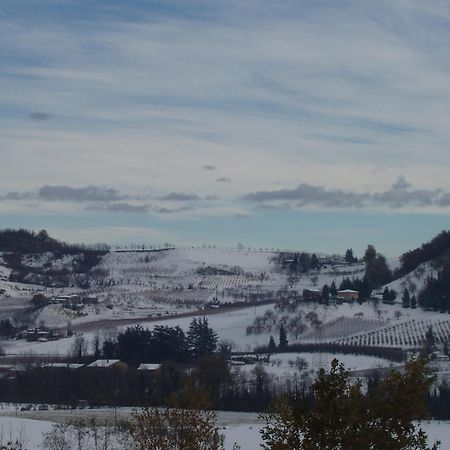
245	431
282	364
397	327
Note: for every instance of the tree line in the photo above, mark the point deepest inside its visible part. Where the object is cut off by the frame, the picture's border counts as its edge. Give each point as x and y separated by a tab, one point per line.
426	252
137	345
335	413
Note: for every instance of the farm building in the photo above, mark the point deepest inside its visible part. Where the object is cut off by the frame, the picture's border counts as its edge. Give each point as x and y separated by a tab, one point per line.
348	295
107	364
311	295
149	367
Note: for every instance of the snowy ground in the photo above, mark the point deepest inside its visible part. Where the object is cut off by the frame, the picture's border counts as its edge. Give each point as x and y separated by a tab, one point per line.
244	430
281	364
231	325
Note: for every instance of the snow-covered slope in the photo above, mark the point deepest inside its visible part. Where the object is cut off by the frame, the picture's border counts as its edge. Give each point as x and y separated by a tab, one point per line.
415	280
187	261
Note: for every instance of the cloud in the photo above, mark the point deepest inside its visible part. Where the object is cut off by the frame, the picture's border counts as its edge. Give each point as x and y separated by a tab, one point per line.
308	195
179	197
400	195
209	167
223	180
83	194
164	210
40	116
18	196
120	207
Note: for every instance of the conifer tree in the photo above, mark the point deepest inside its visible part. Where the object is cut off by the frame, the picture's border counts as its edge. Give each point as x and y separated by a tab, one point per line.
283	342
406	299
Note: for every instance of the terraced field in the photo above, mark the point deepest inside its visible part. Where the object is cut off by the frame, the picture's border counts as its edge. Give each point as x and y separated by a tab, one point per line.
407	334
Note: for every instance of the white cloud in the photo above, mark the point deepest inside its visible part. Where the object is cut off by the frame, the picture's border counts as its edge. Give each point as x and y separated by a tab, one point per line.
344	95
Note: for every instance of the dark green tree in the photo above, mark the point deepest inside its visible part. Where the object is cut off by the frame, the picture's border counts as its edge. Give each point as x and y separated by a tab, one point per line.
344	416
272	346
326	294
406	299
377	270
429	343
202	339
333	289
314	261
283	341
349	258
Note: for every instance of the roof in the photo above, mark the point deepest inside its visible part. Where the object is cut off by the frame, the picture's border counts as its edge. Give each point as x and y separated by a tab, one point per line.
149	366
104	363
350	291
65	365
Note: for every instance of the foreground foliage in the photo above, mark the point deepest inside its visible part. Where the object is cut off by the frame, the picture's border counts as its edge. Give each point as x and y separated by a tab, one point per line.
344	417
177	429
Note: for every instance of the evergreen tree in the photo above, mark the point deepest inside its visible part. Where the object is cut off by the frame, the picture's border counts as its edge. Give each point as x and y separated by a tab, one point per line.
429	344
406	299
413	302
314	262
202	339
333	289
326	294
349	258
389	296
272	346
283	342
370	254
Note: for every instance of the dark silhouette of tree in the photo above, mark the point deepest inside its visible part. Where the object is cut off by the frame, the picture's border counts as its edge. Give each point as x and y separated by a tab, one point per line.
283	341
314	262
272	346
406	299
344	416
377	270
429	343
39	300
349	258
202	339
326	294
333	289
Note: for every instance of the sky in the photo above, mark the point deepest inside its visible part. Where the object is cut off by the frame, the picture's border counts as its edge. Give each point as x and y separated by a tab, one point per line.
305	125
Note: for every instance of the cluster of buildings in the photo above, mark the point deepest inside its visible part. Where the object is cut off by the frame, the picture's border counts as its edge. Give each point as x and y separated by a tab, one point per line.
74	301
344	295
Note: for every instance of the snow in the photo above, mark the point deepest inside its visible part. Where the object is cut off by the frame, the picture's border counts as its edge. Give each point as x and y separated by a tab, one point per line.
31	430
415	280
182	261
149	367
104	363
244	430
280	362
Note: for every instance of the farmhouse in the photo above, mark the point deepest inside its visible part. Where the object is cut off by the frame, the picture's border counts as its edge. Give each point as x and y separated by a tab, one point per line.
348	295
311	295
107	364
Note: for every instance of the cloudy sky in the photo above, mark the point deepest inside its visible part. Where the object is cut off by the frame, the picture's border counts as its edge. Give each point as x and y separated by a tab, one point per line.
315	125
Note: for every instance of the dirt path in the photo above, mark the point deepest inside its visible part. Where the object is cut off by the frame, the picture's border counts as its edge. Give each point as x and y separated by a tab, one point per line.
112	323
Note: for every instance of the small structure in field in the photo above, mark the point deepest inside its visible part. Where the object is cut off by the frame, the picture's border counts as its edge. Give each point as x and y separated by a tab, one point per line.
348	295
